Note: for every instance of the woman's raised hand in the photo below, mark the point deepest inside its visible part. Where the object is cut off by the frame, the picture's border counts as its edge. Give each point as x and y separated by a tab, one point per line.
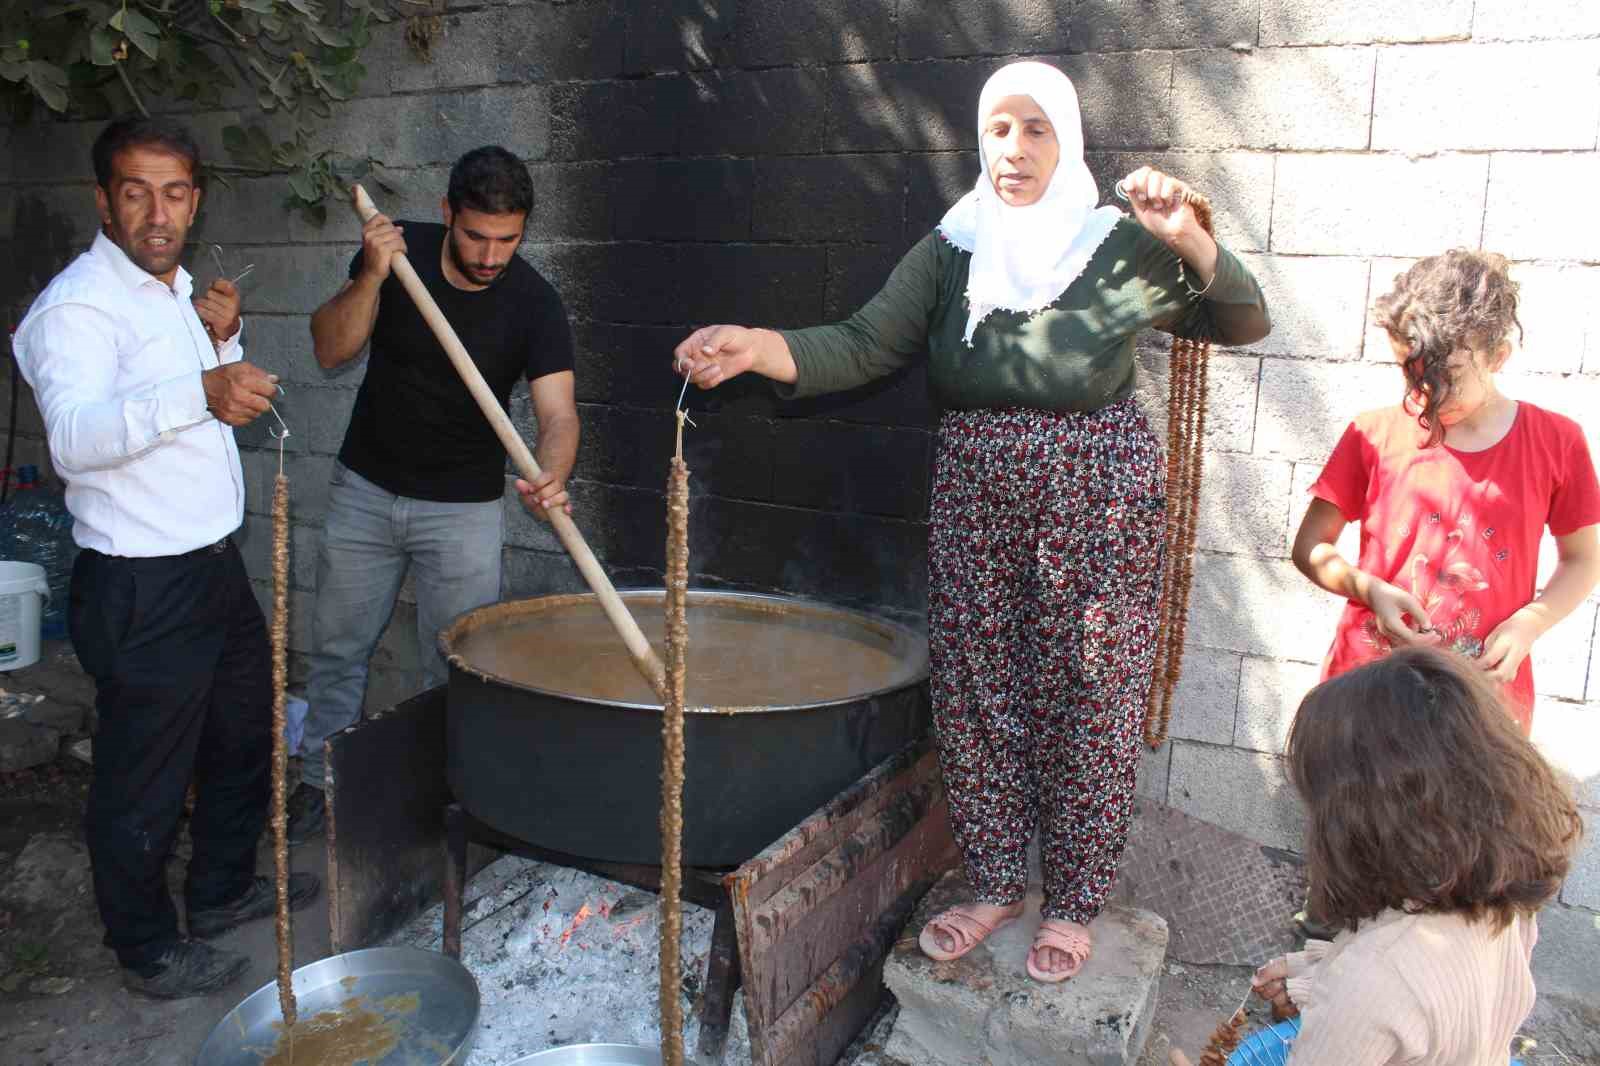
1271	983
713	354
1160	204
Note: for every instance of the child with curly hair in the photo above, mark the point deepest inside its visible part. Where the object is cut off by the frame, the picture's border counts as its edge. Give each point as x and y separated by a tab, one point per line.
1453	489
1435	831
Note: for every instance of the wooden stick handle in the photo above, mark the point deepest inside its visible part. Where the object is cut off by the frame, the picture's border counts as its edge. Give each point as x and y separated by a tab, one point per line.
644	657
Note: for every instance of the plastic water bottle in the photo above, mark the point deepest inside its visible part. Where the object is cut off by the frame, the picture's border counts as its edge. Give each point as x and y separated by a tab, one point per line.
36	527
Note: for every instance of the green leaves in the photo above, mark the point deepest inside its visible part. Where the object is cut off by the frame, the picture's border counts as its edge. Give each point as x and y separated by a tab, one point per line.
50	82
144	33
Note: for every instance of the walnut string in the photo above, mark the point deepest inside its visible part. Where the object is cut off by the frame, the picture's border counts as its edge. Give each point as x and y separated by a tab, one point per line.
1224	1040
280	747
672	754
1188	375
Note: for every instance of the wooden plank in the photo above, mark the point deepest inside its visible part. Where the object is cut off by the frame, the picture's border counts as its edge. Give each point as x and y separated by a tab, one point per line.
817	911
386	798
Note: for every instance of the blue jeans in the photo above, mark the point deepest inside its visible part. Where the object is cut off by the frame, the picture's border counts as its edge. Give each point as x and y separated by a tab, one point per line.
370	537
1270	1046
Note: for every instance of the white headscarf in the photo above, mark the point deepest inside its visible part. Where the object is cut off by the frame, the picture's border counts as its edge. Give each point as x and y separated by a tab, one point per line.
1025	257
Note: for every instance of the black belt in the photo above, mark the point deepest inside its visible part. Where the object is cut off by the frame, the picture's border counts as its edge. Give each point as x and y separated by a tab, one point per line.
209	549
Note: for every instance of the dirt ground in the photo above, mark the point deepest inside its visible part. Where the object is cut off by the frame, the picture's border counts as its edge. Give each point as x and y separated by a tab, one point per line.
61	1002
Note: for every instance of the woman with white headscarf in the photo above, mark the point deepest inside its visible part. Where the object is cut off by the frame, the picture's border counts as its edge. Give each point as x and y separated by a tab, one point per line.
1048	507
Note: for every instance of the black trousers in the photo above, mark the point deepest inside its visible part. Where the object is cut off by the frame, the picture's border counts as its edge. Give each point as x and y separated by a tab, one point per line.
178	650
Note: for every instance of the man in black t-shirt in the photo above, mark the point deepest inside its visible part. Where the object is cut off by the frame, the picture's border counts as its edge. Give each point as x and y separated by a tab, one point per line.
421	473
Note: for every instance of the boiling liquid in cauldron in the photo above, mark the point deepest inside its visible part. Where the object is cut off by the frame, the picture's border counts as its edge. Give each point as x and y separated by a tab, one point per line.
739	655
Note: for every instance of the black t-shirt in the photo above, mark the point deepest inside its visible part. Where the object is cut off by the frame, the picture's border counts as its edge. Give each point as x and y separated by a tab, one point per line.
416	430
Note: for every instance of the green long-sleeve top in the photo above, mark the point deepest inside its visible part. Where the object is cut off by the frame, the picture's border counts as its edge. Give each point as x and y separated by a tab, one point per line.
1075	355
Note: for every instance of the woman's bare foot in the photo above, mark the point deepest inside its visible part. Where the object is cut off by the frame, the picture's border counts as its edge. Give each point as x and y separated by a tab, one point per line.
952	933
1060	949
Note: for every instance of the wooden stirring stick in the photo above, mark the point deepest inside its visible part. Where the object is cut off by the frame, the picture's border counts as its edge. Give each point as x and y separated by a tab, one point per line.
644	657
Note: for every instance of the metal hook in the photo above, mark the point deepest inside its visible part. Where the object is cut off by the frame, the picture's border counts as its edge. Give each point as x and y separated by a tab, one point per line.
274	434
681	393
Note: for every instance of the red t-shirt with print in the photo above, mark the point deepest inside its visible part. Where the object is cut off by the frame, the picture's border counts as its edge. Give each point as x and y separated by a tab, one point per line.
1459	530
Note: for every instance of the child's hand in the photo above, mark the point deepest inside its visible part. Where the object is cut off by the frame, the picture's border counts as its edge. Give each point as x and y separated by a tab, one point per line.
1390	605
1271	984
1508	645
1177	1058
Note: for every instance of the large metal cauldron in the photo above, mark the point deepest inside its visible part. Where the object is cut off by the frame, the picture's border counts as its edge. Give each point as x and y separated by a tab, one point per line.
582	774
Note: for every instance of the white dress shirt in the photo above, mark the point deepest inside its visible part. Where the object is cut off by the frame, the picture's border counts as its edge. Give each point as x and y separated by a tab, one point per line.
114	357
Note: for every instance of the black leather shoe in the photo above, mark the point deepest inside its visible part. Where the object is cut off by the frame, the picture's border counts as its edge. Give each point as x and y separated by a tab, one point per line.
259	901
307	808
188	968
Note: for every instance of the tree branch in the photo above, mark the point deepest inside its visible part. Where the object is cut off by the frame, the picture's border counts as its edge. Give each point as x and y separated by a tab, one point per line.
127	84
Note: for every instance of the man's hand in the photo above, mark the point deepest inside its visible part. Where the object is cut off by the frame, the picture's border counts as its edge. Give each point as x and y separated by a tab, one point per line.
542	495
238	393
218	308
380	240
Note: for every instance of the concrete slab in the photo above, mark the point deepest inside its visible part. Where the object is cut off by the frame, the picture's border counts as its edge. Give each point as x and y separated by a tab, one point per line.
985	1009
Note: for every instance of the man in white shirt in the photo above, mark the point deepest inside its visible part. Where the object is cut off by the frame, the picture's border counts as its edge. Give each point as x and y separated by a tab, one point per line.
139	388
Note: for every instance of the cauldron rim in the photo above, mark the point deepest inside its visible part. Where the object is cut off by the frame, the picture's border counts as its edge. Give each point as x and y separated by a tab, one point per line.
901	635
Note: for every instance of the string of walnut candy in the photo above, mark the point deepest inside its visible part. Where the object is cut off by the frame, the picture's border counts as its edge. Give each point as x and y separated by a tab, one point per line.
280	746
1186	424
677	581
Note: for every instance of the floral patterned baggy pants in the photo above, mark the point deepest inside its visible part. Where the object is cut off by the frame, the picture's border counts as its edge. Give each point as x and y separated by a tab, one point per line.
1044	557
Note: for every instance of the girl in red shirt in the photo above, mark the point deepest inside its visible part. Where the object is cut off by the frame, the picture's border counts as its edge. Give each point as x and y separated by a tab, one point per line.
1453	489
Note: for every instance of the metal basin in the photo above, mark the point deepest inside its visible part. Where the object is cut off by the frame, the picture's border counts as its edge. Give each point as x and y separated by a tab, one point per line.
431	1010
594	1055
580	773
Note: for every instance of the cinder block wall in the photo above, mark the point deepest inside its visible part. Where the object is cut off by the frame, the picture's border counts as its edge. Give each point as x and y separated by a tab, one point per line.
767	163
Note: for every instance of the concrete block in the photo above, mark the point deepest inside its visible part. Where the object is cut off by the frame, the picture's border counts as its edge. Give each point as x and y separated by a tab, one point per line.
571	201
1154	768
54	223
305	542
1295	98
293	279
755	112
1435	98
559	42
464	54
1243	501
604	120
1243	792
1305	407
1231	383
1259	607
1379	205
1583	883
439	127
1302	22
1560	319
855	274
1109	26
308	485
526	573
1522	221
984	1007
775	33
1561	656
930	29
1305	475
1375	345
829	198
8	206
934	182
871	470
675	35
773	284
53	151
693	199
1239	185
1207	696
24	745
281	345
1270	691
1568	734
1512	20
1106	84
897	106
1318	305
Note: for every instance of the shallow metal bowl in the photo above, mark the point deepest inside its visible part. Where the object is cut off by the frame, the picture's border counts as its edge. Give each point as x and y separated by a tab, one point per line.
439	1030
594	1055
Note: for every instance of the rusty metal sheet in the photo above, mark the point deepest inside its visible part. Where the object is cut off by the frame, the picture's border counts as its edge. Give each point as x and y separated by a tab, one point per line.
817	911
386	843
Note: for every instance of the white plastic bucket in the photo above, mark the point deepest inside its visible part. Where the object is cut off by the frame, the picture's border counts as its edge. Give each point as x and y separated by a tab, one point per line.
23	594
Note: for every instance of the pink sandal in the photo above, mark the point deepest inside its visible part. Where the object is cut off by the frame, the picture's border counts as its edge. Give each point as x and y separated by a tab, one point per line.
962	927
1070	938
